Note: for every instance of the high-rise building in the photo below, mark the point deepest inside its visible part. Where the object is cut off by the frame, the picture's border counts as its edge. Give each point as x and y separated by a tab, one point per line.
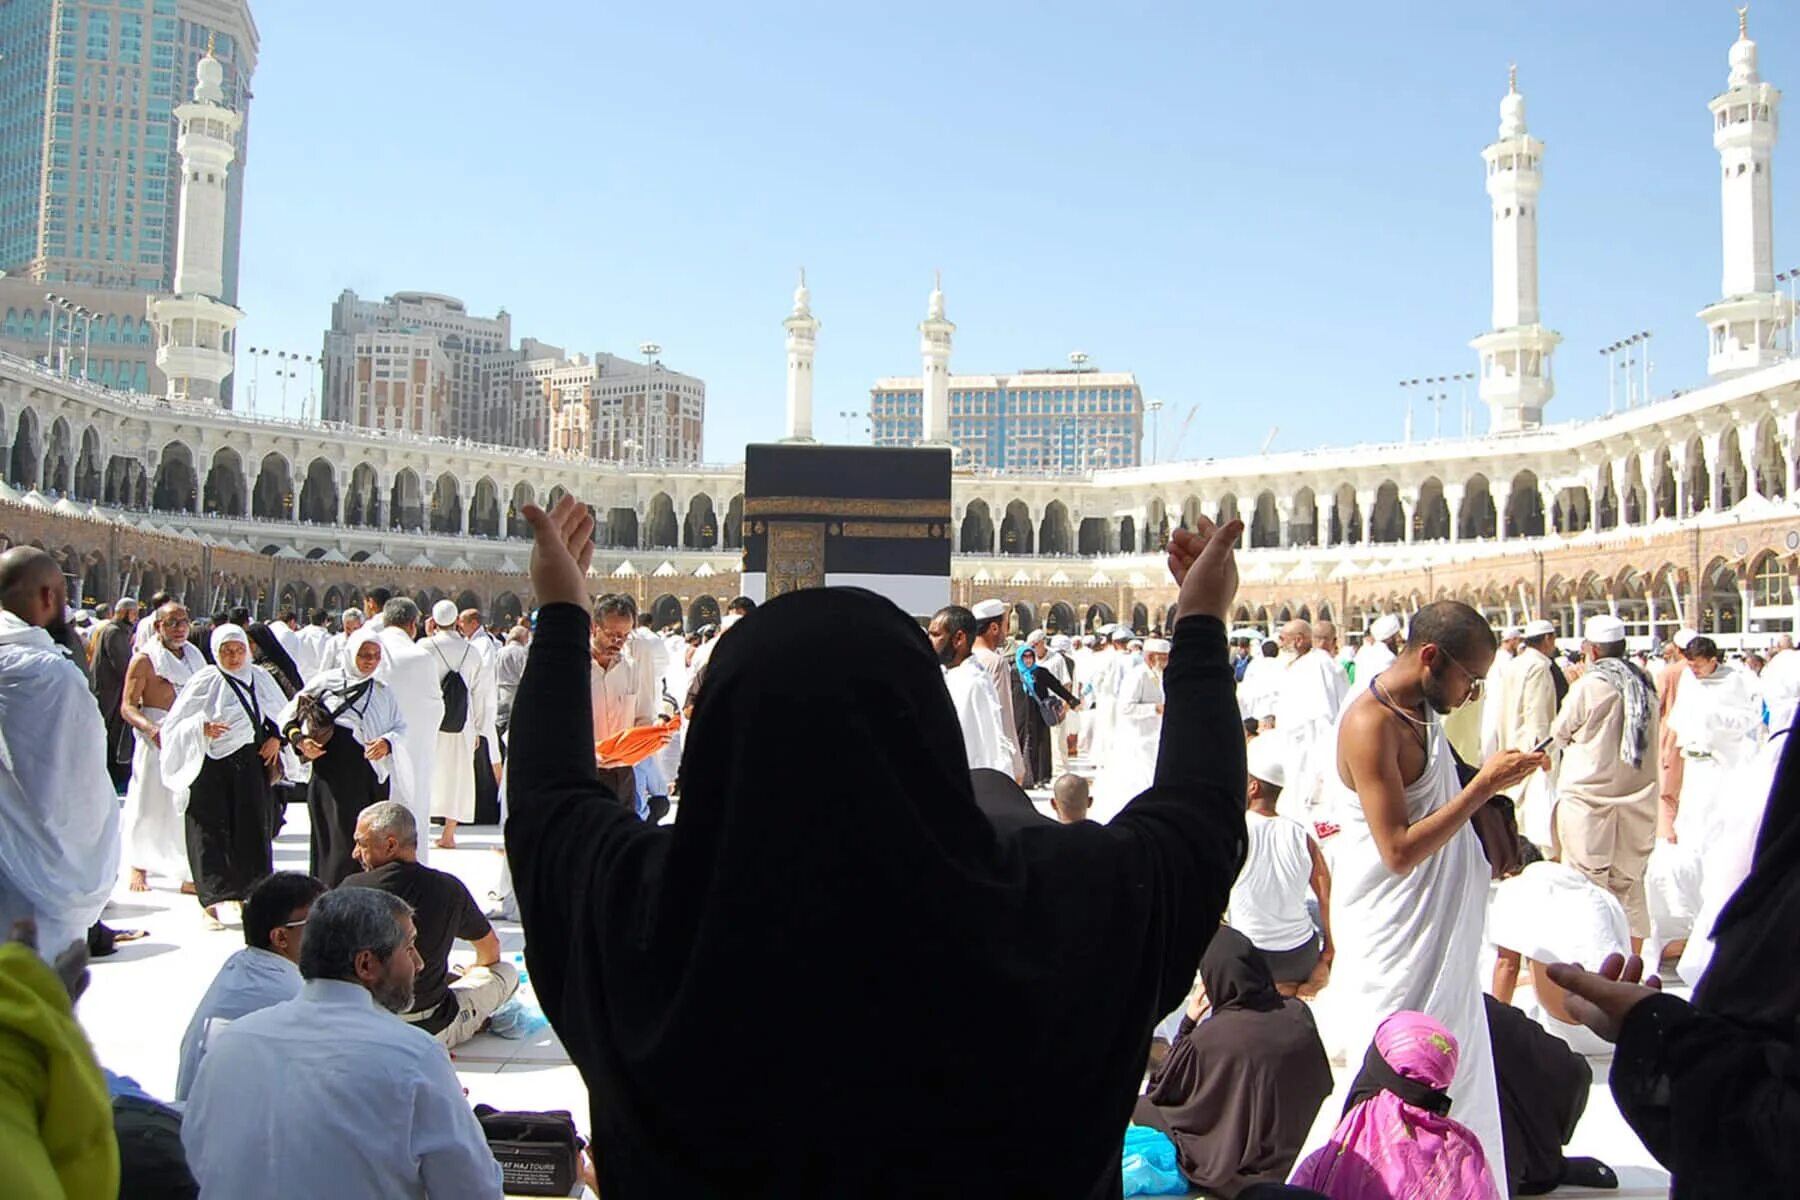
367	340
89	172
607	407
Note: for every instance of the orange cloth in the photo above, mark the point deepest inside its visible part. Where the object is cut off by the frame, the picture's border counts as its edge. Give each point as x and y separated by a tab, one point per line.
632	746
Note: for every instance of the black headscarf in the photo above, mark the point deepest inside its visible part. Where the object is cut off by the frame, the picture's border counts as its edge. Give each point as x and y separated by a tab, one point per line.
1004	802
833	957
267	651
1236	975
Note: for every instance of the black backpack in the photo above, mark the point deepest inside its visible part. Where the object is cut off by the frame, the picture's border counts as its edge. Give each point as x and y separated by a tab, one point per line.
456	695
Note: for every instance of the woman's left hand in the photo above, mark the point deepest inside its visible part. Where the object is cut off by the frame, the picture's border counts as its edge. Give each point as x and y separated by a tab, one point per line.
378	750
270	751
215	729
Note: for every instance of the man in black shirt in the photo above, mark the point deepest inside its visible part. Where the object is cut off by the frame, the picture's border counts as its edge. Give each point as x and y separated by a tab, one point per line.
450	1008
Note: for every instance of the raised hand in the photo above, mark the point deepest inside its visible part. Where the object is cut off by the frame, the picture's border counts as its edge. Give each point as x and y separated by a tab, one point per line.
1205	567
1602	999
562	547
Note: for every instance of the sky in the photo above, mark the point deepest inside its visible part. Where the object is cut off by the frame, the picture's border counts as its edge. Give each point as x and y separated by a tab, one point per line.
1270	212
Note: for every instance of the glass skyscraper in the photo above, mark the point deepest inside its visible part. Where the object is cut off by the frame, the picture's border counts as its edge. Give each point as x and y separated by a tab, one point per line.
1035	421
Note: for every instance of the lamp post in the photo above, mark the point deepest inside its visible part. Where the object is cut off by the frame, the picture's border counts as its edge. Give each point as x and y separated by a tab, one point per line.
1153	407
87	336
1789	277
50	298
649	350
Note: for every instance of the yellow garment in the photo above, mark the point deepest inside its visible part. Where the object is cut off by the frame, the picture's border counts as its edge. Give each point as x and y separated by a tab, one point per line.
56	1126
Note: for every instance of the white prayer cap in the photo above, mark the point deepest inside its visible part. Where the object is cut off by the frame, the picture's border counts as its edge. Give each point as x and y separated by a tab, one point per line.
1510	632
1263	758
1034	637
1385	627
444	613
1061	643
1683	637
1537	629
1156	646
126	602
1120	633
1603	630
729	620
987	610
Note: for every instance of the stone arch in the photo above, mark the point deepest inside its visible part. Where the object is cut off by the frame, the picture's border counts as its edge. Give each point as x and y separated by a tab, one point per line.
1771	587
1571	511
1156	525
1265	522
1191	512
660	529
1098	615
1127	534
1721	604
557	492
334	601
621	528
1140	618
406	501
1015	529
1024	619
734	523
224	491
484	508
1662	483
1431	513
664	611
704	610
516	526
1303	526
1094	537
1606	500
1477	518
446	505
27	452
466	599
94	581
700	528
126	483
507	609
1060	618
59	457
176	489
1769	467
1346	516
272	496
1734	477
1228	509
362	499
87	466
1054	535
1525	507
1387	519
319	494
1699	479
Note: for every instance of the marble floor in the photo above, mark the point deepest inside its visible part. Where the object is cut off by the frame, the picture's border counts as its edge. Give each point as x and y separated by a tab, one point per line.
140	1000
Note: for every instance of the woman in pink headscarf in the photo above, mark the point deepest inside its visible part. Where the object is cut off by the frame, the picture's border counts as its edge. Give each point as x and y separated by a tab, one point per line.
1396	1138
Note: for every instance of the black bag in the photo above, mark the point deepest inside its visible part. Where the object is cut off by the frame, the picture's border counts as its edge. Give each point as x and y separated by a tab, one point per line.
538	1152
456	696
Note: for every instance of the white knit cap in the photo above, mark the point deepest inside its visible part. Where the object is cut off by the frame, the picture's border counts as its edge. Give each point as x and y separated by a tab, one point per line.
444	613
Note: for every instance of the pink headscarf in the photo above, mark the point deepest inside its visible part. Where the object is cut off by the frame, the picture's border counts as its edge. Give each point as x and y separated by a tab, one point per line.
1385	1148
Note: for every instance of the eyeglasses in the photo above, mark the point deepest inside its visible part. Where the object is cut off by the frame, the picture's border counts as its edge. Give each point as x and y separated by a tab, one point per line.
292	924
1477	685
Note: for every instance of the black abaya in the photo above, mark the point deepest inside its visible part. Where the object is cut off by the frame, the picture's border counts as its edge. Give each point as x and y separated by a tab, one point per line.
1029	727
1543	1092
833	945
1713	1087
342	785
228	826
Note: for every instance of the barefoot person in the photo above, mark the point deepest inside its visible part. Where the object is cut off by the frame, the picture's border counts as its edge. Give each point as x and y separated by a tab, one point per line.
1409	882
154	840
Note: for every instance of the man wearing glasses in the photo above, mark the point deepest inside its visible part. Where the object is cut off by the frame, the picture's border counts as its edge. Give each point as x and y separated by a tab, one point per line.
1409	879
1528	694
265	972
153	834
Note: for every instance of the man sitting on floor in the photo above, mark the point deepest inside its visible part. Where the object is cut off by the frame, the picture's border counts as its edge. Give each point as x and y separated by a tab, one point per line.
1269	900
327	1094
1070	799
452	1010
265	972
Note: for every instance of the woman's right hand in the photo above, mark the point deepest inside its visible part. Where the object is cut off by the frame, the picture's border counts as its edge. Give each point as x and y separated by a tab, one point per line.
378	750
311	749
215	729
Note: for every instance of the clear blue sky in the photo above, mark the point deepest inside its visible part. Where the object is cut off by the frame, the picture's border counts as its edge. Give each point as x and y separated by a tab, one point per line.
1273	211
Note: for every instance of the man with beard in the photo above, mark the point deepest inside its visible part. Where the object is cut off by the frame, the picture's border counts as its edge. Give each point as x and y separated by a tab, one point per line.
59	815
1409	880
111	659
987	738
154	838
363	1104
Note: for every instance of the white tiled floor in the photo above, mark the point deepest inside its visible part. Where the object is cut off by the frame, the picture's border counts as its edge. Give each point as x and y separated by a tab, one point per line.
141	998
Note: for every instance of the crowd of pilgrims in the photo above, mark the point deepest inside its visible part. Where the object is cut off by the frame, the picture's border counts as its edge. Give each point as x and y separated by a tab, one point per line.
708	835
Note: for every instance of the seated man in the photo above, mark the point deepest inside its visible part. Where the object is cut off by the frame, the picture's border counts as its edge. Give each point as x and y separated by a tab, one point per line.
1069	797
327	1094
266	971
452	1010
1268	902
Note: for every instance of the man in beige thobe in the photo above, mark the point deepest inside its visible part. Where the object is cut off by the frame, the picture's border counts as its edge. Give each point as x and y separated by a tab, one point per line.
1527	700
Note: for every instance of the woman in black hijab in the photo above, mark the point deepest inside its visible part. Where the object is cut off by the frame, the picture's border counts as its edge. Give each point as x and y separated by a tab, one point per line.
1239	1090
799	988
268	653
1712	1087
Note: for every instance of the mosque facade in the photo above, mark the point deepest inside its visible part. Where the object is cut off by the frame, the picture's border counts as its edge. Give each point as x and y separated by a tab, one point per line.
1677	512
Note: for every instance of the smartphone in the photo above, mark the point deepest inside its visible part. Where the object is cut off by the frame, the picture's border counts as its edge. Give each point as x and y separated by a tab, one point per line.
1543	745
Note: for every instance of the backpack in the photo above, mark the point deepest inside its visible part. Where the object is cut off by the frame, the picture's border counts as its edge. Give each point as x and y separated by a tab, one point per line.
456	695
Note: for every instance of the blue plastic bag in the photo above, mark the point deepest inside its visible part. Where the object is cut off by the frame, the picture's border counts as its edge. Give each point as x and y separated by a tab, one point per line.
1148	1164
517	1019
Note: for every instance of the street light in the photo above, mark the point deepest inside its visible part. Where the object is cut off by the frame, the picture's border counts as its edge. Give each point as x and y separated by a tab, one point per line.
649	350
1790	277
1153	407
87	336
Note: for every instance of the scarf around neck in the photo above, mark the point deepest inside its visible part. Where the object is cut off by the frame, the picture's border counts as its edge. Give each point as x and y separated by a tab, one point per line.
1639	699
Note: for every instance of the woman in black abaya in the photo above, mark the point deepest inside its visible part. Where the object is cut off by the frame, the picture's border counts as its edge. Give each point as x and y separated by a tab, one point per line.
1713	1087
801	987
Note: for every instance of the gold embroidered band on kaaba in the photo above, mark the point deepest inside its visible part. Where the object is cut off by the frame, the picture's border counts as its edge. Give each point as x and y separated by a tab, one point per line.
829	506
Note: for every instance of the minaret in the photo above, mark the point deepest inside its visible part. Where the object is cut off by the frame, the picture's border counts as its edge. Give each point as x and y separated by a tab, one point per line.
1741	328
802	338
935	334
195	339
1516	379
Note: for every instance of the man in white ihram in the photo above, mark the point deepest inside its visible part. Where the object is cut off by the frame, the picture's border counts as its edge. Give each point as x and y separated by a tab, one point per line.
1409	890
1307	701
453	773
1379	654
1130	767
987	741
412	672
331	1094
59	814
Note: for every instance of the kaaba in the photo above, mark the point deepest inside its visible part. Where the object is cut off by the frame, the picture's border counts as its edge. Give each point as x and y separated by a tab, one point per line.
874	517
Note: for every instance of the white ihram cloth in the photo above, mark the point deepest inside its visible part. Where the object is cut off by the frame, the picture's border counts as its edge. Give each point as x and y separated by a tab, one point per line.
1413	942
1109	671
411	673
1490	705
1780	682
1734	822
315	651
152	827
146	631
251	980
328	1095
985	741
1370	661
1715	722
453	768
59	814
1130	763
1552	913
1311	693
208	697
1258	689
371	718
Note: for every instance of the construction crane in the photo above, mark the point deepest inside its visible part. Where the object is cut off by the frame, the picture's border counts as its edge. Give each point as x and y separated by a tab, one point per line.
1175	451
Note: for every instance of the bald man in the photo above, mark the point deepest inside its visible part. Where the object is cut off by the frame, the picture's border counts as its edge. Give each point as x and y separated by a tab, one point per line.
59	814
1308	695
